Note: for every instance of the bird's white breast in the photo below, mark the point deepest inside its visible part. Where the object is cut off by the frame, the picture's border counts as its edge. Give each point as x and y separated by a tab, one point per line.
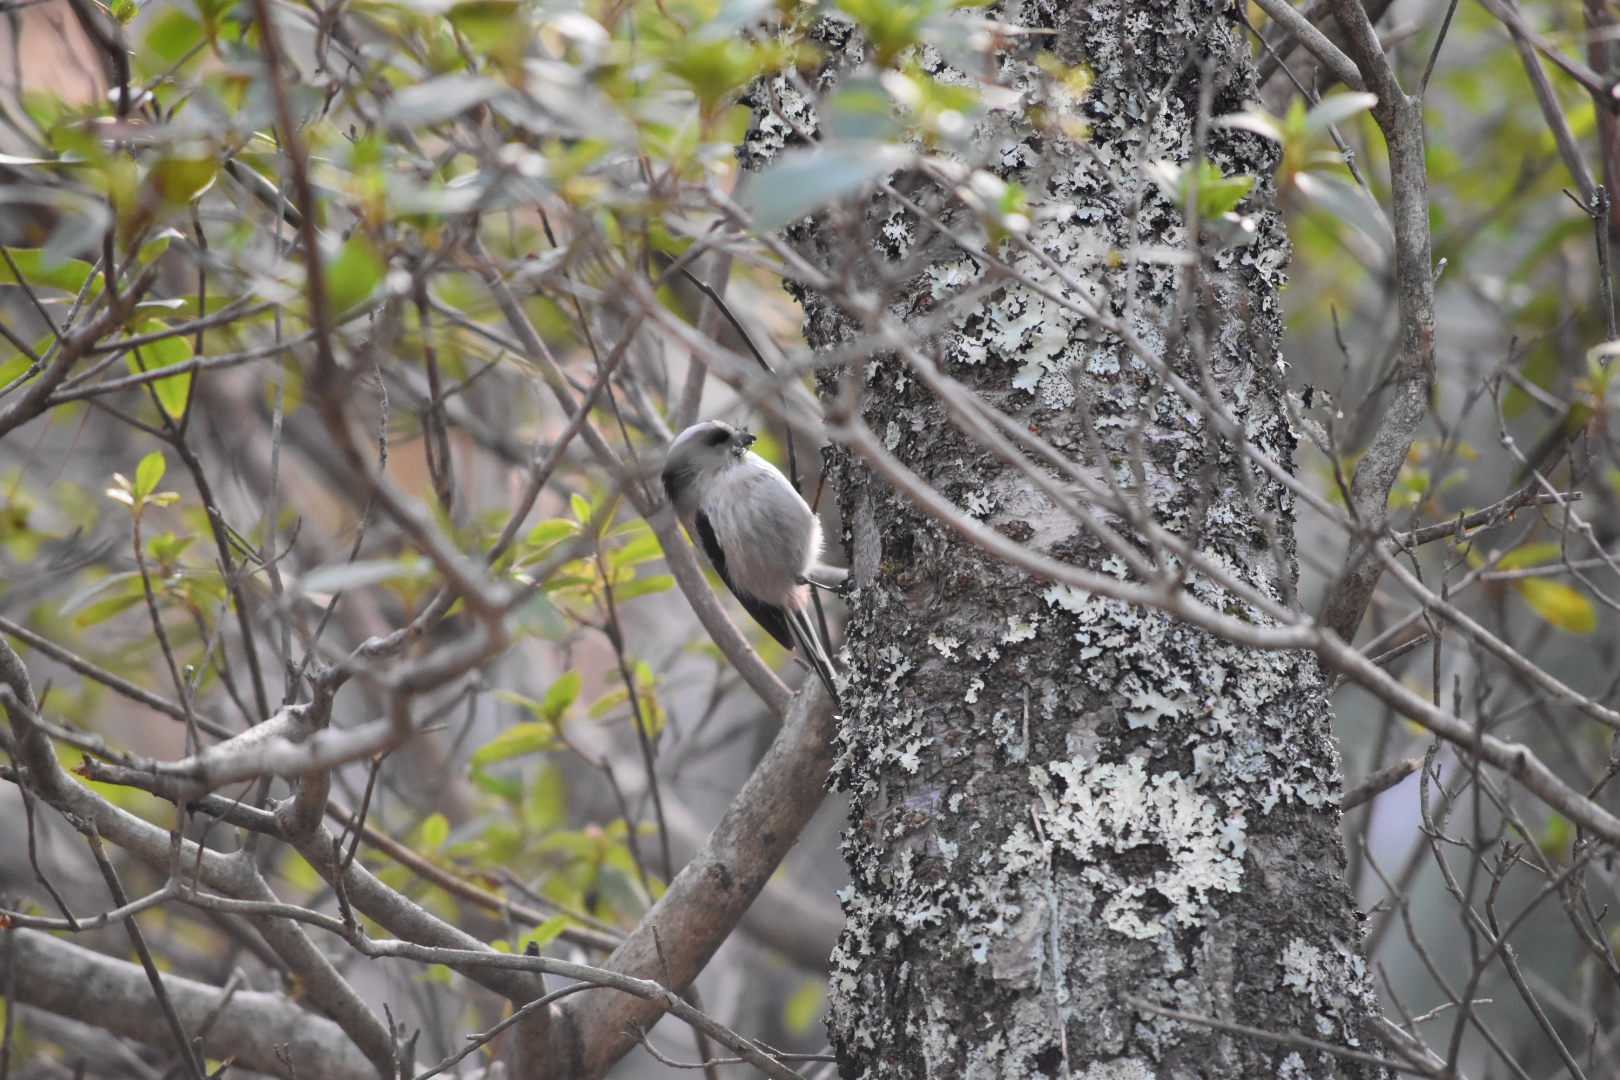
768	533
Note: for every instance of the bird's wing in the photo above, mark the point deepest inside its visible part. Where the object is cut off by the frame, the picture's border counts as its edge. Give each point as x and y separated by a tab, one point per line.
772	618
808	638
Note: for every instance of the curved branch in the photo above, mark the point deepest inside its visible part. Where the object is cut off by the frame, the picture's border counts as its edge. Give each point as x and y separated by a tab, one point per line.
709	896
260	1031
1400	118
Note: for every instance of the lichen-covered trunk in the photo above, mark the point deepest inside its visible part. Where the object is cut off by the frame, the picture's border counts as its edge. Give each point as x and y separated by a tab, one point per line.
1064	805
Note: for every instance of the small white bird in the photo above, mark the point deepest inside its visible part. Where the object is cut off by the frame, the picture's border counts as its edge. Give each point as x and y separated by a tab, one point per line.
761	537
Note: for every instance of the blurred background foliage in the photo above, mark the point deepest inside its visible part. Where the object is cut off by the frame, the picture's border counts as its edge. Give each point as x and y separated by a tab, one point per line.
584	145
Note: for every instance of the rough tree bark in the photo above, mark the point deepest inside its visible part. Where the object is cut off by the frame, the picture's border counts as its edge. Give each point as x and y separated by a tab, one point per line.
1062	804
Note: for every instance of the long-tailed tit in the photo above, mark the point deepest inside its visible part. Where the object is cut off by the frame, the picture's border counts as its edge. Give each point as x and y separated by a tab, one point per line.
758	533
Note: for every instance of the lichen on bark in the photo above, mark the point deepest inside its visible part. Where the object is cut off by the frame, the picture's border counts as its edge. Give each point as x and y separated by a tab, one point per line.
1060	801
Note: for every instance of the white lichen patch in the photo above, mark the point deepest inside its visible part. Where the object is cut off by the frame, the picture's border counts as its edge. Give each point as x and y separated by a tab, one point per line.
1293	1068
1091	812
944	645
1302	966
1144	661
1020	628
1334	980
980	504
1131	1068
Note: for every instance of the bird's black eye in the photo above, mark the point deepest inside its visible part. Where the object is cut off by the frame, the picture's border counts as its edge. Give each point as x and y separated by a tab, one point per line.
718	437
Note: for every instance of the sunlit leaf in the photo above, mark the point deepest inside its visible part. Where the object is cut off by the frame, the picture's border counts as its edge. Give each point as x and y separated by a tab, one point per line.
355	274
14	369
562	694
1559	604
545	806
174	390
545	933
643	548
516	741
505	787
172	35
1557	837
644	586
1530	555
180	178
40	271
488	24
547	533
1217	193
149	474
804	1007
431	834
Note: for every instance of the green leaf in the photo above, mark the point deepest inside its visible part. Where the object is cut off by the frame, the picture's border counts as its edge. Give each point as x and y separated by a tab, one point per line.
802	181
546	806
172	391
167	547
581	506
505	787
1217	192
182	178
716	68
643	548
644	587
101	611
1562	606
432	833
38	270
488	24
891	27
1556	838
13	369
547	533
154	249
172	35
516	741
354	275
149	474
1530	555
804	1006
562	694
545	933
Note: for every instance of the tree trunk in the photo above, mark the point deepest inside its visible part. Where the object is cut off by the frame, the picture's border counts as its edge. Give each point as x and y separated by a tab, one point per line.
1064	805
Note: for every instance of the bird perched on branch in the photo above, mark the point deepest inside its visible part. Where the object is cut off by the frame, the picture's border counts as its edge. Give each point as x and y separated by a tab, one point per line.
761	537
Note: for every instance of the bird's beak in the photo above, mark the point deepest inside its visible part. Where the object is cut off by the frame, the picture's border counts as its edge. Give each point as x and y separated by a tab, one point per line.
746	438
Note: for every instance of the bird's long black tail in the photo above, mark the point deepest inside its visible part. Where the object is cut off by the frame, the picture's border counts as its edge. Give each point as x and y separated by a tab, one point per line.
807	639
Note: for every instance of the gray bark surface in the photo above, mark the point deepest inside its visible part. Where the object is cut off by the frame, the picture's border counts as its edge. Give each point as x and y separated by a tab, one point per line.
1061	802
257	1030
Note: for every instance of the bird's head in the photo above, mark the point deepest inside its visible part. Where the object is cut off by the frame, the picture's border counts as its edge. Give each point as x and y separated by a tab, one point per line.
702	450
